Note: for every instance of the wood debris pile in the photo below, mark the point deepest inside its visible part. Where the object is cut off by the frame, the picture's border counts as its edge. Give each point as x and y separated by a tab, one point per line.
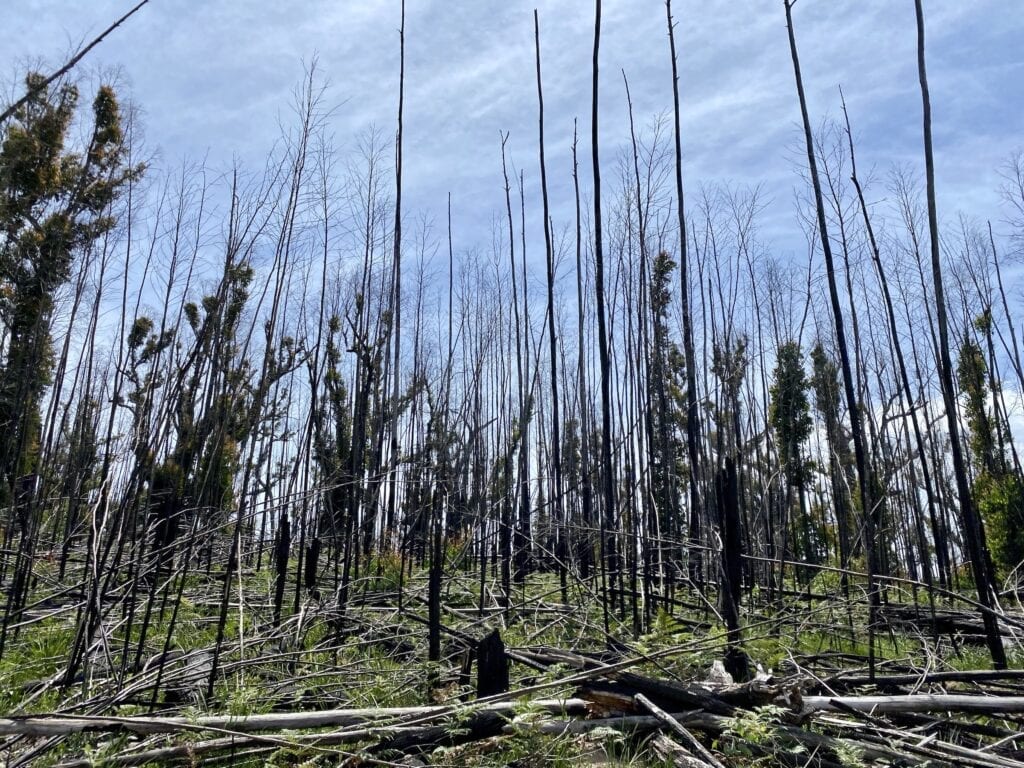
948	718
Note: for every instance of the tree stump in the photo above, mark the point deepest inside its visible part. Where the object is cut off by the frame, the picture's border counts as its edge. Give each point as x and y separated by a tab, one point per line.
491	666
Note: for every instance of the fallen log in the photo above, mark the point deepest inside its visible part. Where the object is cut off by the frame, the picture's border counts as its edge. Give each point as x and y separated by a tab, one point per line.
930	747
62	725
916	702
671	695
192	750
925	678
478	726
620	689
675	695
946	622
717	724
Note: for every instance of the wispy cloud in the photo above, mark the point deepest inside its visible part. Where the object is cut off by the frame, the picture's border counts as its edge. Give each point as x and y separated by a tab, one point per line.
213	77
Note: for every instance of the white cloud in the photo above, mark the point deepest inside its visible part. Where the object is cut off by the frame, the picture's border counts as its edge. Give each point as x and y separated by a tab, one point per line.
214	76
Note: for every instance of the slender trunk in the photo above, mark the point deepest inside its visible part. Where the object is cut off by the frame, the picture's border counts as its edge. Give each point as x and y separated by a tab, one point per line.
556	434
608	546
586	548
896	345
693	426
974	532
863	474
396	295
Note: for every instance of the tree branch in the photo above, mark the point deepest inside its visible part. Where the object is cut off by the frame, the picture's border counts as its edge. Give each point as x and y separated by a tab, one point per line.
69	65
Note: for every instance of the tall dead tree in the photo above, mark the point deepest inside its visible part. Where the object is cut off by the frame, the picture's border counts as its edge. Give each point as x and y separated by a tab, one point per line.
608	545
852	404
505	523
974	533
693	429
556	434
396	287
897	347
586	491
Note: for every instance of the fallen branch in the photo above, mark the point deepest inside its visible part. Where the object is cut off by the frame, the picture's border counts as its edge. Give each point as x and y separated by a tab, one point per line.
671	752
678	727
45	725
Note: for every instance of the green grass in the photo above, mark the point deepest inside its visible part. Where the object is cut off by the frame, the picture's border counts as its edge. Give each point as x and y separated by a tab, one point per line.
358	671
37	654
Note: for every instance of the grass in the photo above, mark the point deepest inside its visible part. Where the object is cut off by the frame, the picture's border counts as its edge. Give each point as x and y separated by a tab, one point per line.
309	663
37	654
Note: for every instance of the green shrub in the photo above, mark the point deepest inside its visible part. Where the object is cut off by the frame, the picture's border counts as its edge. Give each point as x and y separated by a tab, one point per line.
1000	501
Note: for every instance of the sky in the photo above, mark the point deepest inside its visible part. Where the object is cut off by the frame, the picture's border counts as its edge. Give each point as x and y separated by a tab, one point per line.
214	79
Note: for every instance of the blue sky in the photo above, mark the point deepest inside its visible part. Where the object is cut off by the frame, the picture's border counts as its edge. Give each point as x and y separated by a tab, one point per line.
213	78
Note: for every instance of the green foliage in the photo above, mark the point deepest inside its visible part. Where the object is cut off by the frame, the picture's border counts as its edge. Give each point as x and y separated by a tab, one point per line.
333	431
220	403
246	697
667	397
753	736
998	490
849	755
729	362
789	412
972	376
39	653
524	748
756	726
55	202
825	383
385	570
140	330
1000	501
664	630
144	349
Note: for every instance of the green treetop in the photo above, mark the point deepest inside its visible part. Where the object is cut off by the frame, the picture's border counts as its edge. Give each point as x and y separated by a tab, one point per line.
55	202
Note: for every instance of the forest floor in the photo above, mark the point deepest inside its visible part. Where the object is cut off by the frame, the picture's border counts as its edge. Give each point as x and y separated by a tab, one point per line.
322	688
